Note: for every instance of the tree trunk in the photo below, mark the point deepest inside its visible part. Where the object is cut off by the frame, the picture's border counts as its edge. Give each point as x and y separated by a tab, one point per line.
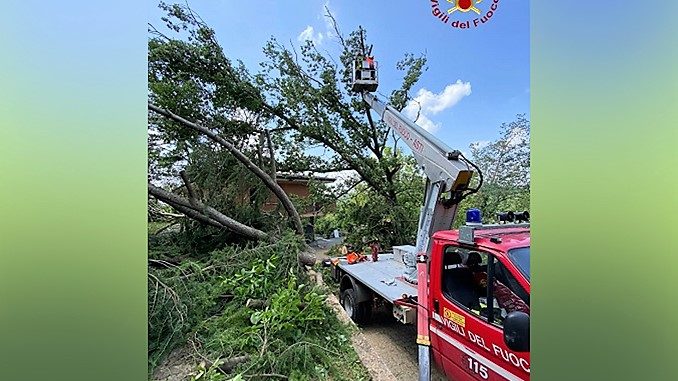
260	149
268	181
198	211
306	258
271	154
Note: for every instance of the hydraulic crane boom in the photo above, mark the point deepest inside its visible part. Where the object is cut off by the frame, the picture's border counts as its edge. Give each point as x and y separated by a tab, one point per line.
446	175
439	162
444	170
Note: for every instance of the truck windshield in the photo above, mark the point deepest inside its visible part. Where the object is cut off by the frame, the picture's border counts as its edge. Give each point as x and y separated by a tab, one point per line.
521	258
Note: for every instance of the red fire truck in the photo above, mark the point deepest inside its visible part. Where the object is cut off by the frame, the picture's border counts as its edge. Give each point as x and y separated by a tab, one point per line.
468	290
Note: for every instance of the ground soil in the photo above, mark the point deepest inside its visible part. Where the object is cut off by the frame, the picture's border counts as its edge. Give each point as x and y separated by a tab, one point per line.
396	345
179	365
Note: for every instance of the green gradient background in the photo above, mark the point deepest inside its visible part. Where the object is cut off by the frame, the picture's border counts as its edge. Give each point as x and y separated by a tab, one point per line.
605	191
72	191
73	198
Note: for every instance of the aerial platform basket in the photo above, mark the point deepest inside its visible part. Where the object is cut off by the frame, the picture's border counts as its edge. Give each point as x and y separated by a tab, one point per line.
365	75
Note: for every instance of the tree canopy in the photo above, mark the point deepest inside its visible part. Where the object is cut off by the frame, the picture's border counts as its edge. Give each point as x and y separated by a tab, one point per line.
299	101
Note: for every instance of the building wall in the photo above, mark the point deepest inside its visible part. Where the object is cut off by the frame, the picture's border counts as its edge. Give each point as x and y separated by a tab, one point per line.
296	188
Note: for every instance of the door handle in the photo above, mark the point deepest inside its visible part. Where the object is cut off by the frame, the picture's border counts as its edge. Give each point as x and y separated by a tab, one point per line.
436	306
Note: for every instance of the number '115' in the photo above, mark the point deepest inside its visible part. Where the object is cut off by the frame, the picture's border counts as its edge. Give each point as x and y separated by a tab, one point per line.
477	367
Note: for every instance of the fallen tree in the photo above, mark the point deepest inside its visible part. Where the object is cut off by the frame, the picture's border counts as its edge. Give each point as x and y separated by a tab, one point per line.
196	210
205	120
261	174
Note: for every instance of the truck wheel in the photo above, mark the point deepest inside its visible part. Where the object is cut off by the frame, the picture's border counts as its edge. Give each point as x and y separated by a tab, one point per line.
358	312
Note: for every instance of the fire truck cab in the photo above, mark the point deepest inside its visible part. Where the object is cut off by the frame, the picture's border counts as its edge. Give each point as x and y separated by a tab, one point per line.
471	338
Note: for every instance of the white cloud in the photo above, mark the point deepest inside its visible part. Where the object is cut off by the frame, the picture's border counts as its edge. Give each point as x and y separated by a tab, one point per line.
426	123
413	112
310	34
434	103
427	103
320	33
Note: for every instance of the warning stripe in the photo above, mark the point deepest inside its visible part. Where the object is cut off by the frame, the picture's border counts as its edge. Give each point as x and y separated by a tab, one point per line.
482	359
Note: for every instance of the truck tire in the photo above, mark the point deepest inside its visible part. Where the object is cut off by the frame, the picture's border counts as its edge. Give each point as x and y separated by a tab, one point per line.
358	312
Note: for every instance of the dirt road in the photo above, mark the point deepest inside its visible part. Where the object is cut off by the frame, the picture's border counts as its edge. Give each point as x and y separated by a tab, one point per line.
396	345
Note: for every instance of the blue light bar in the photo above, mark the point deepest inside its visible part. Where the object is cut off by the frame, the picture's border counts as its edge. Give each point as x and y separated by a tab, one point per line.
473	216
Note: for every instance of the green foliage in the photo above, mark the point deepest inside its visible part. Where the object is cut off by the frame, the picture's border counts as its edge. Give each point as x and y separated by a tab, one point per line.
180	297
201	301
201	304
256	281
505	164
293	311
295	335
311	98
305	92
366	215
189	74
326	224
174	308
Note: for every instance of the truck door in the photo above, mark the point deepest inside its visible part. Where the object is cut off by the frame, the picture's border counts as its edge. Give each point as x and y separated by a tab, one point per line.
465	344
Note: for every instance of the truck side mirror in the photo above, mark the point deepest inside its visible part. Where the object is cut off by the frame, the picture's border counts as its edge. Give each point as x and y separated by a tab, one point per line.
517	331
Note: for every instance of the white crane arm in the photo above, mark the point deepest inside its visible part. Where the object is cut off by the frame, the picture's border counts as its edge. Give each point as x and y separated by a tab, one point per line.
439	162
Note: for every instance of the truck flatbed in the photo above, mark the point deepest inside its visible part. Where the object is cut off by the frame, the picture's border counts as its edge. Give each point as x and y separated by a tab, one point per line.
384	277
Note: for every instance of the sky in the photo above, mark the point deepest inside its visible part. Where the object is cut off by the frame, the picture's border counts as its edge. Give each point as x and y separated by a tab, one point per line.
477	78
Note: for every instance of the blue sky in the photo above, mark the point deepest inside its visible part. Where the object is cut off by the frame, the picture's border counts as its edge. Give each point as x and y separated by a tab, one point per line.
492	59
